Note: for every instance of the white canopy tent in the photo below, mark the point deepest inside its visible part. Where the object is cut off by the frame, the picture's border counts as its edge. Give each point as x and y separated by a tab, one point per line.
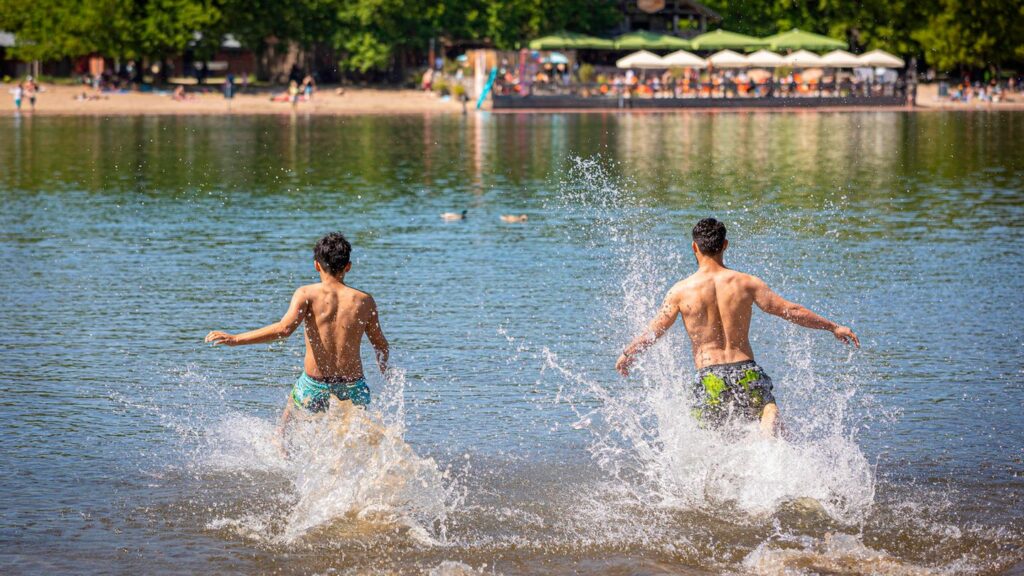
727	59
684	59
802	59
764	59
641	60
880	59
840	59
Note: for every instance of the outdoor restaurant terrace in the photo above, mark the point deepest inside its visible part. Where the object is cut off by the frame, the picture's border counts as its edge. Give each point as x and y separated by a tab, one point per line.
714	69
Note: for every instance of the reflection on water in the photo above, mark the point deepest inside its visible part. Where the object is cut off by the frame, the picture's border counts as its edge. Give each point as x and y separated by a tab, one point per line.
510	445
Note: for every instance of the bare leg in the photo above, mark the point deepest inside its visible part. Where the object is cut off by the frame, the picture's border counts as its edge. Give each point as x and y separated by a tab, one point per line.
769	418
281	426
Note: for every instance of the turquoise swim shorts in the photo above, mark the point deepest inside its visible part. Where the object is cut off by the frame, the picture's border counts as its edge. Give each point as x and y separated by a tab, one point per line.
314	395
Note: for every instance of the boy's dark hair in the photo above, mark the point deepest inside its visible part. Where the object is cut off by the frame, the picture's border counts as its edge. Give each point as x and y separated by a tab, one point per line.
709	234
333	253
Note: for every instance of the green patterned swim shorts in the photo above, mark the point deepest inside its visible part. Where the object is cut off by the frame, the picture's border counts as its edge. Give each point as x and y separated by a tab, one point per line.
314	395
726	391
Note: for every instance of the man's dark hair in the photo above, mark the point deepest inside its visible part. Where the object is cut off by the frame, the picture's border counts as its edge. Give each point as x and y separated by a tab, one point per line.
332	252
709	234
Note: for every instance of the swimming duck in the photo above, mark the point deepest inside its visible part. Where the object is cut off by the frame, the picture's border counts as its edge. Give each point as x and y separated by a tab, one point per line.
450	216
512	218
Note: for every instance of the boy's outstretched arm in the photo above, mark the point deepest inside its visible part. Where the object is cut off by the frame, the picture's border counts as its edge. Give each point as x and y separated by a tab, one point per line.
377	339
776	305
283	328
655	330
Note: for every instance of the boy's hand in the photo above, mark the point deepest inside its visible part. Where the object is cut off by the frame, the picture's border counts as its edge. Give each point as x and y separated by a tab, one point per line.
845	335
623	363
218	337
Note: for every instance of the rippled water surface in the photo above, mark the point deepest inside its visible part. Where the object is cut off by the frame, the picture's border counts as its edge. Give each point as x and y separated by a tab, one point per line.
506	443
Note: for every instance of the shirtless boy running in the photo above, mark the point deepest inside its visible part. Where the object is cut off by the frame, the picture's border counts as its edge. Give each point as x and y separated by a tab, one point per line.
716	304
335	317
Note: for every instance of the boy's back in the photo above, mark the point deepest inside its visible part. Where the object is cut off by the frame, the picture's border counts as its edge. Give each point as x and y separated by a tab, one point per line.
336	316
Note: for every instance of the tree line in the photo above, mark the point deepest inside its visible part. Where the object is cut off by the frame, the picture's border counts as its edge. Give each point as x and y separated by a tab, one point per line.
375	36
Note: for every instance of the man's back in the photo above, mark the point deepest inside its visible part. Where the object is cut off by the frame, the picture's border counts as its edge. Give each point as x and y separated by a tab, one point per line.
336	318
716	306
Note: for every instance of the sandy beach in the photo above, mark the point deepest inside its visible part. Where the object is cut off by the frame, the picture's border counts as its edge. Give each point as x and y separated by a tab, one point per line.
66	100
69	100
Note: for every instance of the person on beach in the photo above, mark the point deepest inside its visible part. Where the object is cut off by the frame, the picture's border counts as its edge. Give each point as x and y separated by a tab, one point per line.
18	92
293	93
716	304
335	316
31	90
308	87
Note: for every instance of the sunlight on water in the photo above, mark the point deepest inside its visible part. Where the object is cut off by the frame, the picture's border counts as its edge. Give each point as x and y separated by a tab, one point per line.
511	446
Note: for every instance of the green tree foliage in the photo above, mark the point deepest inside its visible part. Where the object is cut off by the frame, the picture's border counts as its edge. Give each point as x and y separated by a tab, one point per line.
973	33
382	34
51	29
947	33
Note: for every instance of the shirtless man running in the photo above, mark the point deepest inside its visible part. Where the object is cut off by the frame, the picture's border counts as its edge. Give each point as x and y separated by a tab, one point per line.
335	317
716	304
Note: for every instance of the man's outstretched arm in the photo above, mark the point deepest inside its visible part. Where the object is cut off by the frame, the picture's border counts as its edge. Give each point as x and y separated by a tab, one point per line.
281	329
655	330
376	336
776	305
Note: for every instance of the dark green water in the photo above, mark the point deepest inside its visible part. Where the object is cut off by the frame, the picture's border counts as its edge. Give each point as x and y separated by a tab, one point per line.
129	446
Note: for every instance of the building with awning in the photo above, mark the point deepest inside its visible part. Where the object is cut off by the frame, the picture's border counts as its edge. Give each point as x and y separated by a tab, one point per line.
8	65
676	17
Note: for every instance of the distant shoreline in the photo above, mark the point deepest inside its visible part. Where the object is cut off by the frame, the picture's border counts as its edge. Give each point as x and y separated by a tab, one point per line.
57	100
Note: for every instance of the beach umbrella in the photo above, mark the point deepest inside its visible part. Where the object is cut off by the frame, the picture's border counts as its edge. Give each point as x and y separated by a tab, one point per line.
641	59
765	59
722	40
797	39
684	59
840	59
880	59
802	59
556	58
571	41
644	40
728	59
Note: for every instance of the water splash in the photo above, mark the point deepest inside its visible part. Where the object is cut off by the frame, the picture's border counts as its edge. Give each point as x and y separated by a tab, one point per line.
346	470
641	432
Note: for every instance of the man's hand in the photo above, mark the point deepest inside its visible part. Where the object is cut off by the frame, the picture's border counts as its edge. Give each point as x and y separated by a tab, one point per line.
623	364
845	335
218	337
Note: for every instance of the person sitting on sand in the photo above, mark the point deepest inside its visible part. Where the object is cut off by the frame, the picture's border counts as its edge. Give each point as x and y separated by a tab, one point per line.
335	316
716	305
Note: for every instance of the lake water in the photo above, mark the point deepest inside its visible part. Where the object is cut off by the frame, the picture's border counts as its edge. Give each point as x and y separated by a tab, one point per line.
509	444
